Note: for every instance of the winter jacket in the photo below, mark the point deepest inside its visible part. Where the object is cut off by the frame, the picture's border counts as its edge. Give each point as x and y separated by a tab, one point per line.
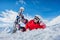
32	25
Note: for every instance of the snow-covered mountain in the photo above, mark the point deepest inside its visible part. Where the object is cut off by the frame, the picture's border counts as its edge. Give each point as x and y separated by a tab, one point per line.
52	32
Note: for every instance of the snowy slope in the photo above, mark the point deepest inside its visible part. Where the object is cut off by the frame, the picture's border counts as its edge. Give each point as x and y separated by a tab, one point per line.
54	21
50	33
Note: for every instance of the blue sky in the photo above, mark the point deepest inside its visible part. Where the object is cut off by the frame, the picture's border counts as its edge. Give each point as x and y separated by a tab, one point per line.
48	9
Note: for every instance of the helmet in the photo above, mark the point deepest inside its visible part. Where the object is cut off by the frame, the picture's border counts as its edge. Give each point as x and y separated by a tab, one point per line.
22	8
37	16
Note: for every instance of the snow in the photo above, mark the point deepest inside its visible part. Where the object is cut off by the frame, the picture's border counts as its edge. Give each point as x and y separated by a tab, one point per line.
52	32
54	21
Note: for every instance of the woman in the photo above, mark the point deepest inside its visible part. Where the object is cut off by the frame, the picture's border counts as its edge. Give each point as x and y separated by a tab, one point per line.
35	24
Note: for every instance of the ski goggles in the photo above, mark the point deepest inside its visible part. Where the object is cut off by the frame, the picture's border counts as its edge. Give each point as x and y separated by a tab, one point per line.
36	18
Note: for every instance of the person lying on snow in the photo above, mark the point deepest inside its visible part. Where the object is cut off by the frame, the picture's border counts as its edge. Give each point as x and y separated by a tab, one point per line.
35	24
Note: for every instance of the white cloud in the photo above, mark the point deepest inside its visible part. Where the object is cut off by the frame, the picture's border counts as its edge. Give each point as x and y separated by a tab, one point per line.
21	2
8	17
35	2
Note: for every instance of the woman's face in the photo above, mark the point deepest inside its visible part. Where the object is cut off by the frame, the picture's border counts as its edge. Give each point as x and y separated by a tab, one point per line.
36	20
